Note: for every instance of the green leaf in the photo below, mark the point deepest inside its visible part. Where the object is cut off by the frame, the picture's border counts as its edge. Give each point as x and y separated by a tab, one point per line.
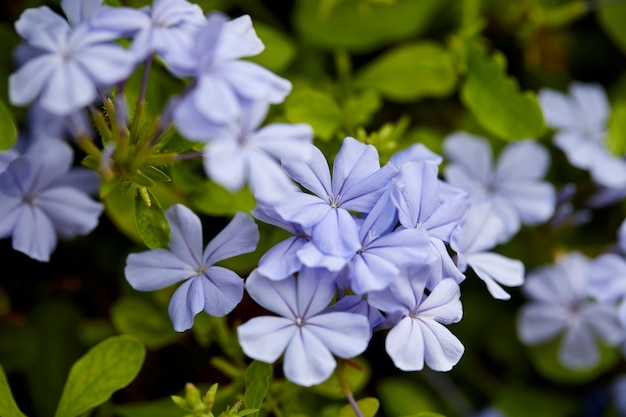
359	107
279	50
258	375
154	173
136	316
426	414
362	26
315	107
410	72
107	367
616	137
496	100
8	130
357	376
368	406
611	18
402	396
8	406
151	222
213	199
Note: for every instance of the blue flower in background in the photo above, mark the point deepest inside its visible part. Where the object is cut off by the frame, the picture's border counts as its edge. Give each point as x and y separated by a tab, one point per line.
214	289
580	121
480	231
65	65
418	334
41	200
307	334
560	304
166	28
513	186
221	79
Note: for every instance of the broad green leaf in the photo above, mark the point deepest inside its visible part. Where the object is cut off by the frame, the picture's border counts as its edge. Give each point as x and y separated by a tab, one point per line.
258	375
368	407
315	107
213	199
363	26
616	138
496	100
136	316
279	50
8	406
410	72
611	18
151	221
515	402
357	376
359	107
54	323
402	396
8	130
107	367
545	358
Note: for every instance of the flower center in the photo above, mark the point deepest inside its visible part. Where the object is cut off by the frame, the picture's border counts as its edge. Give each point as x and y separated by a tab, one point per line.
334	201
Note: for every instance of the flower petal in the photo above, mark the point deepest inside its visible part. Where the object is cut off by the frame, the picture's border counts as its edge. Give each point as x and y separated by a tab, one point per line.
156	269
307	361
266	338
240	236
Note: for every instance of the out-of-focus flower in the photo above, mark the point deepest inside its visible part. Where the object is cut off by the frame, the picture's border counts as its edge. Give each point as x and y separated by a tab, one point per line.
580	120
513	186
560	304
38	201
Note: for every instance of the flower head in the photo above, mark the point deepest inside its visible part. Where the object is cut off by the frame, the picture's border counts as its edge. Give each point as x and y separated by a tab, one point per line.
208	287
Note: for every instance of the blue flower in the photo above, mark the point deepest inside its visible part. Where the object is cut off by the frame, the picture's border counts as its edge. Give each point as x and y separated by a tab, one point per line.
221	79
480	231
433	207
560	304
418	334
513	186
166	28
580	120
240	152
356	185
66	65
308	335
39	200
214	289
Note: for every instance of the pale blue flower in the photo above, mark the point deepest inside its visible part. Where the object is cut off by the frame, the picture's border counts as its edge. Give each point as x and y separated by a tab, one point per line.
221	78
208	287
356	185
435	208
68	64
560	305
307	334
418	335
514	186
39	202
166	28
580	119
480	231
241	153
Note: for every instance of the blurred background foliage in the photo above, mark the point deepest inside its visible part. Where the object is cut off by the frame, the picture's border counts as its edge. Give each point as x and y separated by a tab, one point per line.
391	73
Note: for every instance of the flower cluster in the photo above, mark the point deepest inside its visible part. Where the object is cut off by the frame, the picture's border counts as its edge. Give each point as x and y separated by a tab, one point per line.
374	247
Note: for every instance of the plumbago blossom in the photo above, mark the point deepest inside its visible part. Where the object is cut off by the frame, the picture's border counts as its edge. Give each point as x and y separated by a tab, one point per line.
240	152
307	333
40	200
66	65
561	304
480	231
513	186
208	287
580	120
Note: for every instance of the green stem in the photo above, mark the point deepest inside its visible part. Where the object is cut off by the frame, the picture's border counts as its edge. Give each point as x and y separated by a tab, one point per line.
346	388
